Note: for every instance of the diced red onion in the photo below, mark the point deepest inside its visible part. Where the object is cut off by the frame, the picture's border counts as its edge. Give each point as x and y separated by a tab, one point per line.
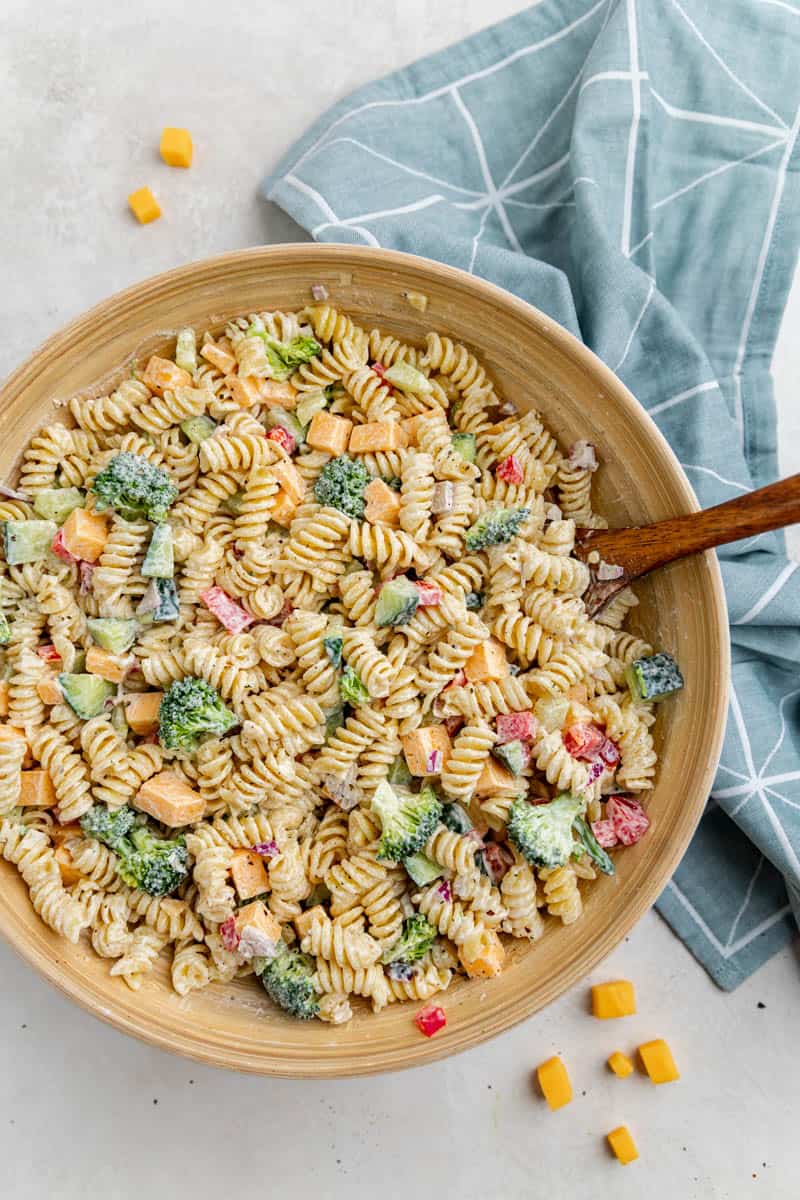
319	291
434	762
266	849
443	498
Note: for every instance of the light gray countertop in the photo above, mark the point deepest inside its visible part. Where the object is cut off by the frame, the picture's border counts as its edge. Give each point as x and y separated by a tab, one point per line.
85	89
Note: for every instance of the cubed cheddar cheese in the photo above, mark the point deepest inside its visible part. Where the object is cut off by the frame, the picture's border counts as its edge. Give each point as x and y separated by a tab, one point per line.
245	389
278	393
329	433
85	534
486	960
289	479
7	732
69	872
49	689
161	375
4	699
554	1082
377	435
410	428
622	1144
144	205
620	1064
176	147
495	778
249	874
258	930
657	1060
170	800
487	662
283	509
113	667
305	920
219	357
420	749
141	711
614	999
383	504
37	789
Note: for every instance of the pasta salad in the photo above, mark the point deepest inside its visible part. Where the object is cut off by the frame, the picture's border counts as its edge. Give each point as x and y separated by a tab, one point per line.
298	680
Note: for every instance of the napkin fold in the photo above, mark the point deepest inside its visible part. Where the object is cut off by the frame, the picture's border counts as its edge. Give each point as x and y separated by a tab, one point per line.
631	169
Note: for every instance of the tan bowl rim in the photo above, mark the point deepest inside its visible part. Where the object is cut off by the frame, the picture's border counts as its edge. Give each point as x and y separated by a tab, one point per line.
429	1049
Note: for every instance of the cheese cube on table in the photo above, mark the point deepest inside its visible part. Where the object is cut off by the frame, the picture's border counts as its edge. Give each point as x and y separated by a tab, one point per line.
144	206
657	1060
622	1144
329	433
170	800
554	1082
427	750
613	999
176	147
620	1064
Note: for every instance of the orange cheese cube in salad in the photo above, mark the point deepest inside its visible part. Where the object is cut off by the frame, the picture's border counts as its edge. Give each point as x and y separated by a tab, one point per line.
278	392
170	800
383	504
620	1064
144	206
4	699
283	509
488	662
69	872
657	1060
249	874
49	689
258	930
377	435
622	1144
245	389
554	1082
495	778
613	999
303	922
427	750
37	789
176	147
161	375
85	534
219	356
329	433
141	711
486	960
7	732
113	667
289	479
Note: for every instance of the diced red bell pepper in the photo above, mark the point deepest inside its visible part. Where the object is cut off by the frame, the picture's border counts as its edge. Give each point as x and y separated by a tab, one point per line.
629	819
430	594
230	934
58	547
516	727
48	653
583	740
283	438
510	470
379	369
498	860
605	833
430	1019
226	610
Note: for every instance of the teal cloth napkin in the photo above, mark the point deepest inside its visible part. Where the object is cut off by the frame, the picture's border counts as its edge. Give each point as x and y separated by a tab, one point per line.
631	168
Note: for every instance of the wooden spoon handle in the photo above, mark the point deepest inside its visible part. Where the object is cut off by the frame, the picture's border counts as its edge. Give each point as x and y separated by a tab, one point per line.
643	548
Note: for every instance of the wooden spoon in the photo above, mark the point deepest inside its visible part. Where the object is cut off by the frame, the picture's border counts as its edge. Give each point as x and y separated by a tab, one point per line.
642	548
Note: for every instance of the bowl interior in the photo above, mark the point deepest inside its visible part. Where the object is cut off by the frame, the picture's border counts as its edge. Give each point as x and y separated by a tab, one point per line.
535	364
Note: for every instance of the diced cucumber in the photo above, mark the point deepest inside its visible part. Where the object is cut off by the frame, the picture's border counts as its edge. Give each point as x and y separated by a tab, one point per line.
456	817
408	379
422	869
186	350
464	444
27	541
333	649
197	429
334	718
159	561
86	694
399	774
79	662
55	504
512	755
320	894
654	678
159	602
232	505
116	634
309	404
397	602
5	630
600	857
119	720
286	420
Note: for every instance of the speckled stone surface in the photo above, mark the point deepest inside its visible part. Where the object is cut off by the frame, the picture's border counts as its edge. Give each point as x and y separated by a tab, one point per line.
85	89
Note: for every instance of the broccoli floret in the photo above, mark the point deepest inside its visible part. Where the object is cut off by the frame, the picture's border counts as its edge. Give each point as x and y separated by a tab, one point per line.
340	484
414	942
288	980
351	688
543	832
145	861
495	526
189	709
134	487
106	826
407	820
285	357
588	842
